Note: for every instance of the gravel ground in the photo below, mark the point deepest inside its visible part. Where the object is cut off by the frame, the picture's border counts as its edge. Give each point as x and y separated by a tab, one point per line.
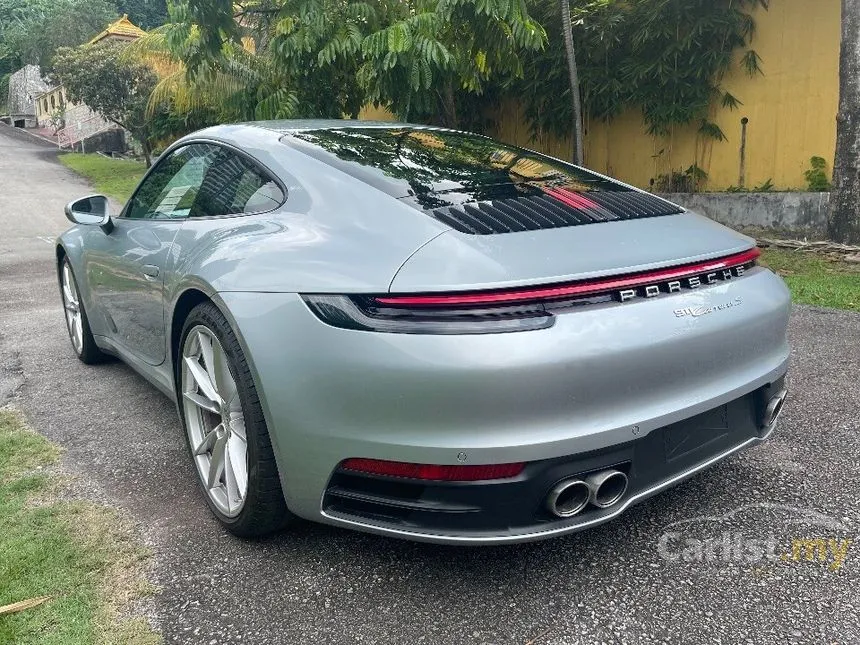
315	584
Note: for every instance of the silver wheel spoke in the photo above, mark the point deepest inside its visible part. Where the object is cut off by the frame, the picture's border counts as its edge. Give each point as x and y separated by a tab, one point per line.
202	402
222	378
230	484
202	379
72	306
205	343
208	441
216	462
210	398
70	299
237	453
237	426
76	330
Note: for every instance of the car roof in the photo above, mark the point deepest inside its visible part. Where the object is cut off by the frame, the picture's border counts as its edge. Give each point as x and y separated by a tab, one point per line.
286	126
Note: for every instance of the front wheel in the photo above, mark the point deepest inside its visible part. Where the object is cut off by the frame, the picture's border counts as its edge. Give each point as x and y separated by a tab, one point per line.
225	428
76	318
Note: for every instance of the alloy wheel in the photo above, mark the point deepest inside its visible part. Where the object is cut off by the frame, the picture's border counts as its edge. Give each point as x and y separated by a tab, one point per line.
72	306
214	420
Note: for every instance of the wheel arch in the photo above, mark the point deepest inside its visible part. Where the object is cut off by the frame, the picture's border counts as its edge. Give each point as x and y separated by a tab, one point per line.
190	297
187	300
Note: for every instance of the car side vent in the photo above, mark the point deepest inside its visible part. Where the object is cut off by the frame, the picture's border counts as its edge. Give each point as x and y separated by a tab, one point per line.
556	208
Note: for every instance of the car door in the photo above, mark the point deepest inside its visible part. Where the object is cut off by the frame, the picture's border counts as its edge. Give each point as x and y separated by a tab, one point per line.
125	267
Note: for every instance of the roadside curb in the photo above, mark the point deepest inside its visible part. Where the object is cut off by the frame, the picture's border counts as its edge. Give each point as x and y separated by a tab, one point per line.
31	136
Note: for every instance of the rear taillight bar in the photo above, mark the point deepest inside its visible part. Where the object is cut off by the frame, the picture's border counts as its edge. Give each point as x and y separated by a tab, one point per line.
508	310
584	288
432	472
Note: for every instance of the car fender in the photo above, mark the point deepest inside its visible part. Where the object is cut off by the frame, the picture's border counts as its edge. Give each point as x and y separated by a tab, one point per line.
71	245
196	284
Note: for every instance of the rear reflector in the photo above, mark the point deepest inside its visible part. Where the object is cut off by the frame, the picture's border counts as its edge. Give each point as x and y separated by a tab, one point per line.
432	472
583	288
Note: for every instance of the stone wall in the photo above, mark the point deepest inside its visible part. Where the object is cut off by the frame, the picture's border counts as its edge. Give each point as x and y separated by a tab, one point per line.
24	86
82	122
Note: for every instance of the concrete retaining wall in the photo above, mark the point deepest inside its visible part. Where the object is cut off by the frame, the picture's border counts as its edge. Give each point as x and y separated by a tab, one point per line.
107	141
802	214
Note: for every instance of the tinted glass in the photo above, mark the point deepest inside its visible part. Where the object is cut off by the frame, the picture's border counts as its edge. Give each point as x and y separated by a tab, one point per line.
440	168
204	180
170	190
232	185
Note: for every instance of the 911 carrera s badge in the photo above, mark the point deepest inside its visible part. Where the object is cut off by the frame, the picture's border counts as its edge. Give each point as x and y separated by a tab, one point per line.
695	312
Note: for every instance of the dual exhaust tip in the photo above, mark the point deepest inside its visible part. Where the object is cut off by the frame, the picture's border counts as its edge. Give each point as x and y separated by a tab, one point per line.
601	489
605	488
773	409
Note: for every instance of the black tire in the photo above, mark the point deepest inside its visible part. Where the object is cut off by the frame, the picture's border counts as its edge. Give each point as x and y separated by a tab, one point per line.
90	352
264	511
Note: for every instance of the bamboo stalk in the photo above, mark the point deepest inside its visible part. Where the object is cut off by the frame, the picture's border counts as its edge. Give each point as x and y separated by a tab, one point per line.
22	605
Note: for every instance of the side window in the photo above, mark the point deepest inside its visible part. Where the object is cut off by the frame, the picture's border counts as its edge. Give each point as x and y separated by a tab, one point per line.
172	188
235	185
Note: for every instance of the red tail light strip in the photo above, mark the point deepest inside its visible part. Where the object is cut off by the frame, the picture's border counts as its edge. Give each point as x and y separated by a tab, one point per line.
584	288
431	471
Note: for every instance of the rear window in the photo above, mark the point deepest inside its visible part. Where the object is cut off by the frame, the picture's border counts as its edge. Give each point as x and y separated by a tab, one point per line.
418	161
473	183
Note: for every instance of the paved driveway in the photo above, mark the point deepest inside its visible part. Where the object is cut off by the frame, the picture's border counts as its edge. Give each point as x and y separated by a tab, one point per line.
616	583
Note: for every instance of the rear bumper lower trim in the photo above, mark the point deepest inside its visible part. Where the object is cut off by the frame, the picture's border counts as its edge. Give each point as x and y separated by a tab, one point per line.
514	538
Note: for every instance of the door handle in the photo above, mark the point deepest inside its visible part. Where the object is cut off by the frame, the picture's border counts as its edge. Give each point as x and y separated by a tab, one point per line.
150	271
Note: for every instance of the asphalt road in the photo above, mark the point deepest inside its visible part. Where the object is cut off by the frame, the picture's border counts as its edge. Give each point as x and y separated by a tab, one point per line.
313	584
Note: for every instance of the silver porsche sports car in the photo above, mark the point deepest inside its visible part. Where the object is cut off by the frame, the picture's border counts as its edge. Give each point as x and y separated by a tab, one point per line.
425	333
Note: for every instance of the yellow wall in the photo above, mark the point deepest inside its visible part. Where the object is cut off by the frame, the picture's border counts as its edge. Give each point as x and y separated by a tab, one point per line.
791	110
373	113
44	105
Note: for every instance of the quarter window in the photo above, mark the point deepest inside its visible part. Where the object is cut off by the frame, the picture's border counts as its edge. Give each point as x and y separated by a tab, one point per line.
204	180
170	190
234	185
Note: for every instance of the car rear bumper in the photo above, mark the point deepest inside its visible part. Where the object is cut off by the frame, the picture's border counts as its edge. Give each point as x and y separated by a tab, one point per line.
515	509
605	381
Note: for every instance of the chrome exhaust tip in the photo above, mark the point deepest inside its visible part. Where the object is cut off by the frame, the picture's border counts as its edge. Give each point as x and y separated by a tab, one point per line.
568	498
774	408
606	487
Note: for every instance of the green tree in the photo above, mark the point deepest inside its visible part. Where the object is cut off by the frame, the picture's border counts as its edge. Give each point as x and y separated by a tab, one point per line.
241	86
146	14
666	58
110	85
418	57
36	28
573	75
844	220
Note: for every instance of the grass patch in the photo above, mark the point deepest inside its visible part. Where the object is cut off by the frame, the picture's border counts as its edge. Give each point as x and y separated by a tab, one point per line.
115	178
82	555
815	279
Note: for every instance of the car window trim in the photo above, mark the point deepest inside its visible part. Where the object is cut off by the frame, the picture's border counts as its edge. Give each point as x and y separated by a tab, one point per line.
184	143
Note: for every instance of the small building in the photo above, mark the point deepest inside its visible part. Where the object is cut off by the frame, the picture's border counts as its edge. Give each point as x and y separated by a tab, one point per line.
77	126
122	29
25	86
49	104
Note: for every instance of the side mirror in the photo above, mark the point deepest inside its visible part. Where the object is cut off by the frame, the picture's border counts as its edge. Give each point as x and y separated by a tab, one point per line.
92	210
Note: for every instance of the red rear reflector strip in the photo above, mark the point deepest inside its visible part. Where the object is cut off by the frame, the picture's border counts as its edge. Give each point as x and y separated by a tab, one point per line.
584	288
431	471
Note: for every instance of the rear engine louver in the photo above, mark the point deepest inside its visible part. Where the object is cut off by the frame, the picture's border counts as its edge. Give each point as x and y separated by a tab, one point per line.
554	209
